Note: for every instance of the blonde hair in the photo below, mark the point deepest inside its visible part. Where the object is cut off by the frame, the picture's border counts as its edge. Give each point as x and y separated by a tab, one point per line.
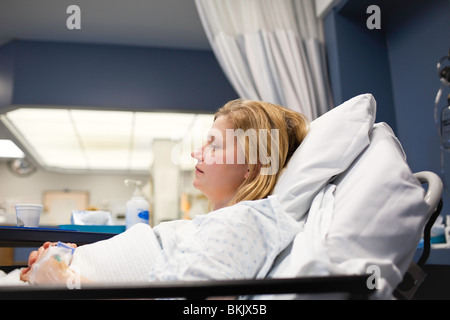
292	128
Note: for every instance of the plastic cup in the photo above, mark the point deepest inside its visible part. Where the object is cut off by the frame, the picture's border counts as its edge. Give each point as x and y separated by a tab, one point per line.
28	215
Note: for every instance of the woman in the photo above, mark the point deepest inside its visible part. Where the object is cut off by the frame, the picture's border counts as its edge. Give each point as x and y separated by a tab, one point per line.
247	147
227	183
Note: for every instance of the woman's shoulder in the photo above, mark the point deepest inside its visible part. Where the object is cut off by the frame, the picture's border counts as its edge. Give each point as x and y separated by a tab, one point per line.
268	202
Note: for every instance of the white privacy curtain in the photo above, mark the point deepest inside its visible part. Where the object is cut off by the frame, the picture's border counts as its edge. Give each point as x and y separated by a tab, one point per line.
270	50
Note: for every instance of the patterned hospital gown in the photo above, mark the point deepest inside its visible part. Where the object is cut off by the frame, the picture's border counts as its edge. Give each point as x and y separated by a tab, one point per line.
235	242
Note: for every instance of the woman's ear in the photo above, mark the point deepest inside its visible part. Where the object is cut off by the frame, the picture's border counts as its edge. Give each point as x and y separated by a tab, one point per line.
253	172
247	173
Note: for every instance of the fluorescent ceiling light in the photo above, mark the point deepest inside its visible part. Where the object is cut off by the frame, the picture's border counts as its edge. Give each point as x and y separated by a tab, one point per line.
8	149
69	139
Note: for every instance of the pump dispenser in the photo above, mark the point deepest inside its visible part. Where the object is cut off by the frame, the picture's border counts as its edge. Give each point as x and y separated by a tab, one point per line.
137	206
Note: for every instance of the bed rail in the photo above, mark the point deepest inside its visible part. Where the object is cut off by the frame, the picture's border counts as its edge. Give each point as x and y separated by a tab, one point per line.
351	286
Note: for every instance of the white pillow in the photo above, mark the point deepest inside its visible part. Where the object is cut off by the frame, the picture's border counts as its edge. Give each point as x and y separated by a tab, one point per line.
377	219
379	209
334	141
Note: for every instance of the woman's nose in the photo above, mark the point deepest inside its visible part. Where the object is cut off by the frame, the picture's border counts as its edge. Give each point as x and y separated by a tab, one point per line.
198	154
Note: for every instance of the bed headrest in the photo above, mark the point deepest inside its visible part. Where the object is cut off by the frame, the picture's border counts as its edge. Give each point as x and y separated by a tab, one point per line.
377	217
334	141
379	208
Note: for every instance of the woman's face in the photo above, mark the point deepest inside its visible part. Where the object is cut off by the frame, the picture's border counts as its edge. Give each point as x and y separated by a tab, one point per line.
218	173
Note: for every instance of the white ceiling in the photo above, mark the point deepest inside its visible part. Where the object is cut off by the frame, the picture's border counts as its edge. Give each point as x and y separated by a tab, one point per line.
158	23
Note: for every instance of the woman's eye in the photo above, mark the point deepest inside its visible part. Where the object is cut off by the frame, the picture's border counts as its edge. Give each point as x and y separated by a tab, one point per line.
213	145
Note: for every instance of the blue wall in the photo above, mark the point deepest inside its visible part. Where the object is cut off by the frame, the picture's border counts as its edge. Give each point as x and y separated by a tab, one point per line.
417	39
358	61
397	64
111	77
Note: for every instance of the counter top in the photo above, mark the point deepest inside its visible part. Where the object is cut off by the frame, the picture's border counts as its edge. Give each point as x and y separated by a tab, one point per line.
11	236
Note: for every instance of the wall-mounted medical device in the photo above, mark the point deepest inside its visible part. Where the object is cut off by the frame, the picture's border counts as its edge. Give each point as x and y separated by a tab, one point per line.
442	112
444	127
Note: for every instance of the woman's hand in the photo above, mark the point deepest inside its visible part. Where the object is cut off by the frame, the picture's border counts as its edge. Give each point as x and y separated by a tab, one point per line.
52	266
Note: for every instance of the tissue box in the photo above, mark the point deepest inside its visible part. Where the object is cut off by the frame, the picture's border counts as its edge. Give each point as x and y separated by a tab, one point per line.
85	217
92	221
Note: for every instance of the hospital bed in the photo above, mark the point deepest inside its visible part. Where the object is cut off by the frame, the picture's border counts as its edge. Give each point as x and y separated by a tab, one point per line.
370	212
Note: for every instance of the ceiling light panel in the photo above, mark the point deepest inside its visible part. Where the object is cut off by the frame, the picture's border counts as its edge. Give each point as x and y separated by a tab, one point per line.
104	140
8	149
49	136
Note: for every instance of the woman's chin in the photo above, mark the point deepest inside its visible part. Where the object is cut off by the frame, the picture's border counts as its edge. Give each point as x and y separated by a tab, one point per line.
197	185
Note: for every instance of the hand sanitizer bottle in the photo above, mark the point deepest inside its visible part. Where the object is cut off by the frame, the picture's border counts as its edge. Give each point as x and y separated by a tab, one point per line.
137	206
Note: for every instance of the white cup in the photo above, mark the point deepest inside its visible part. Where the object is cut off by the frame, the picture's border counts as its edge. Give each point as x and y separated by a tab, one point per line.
28	215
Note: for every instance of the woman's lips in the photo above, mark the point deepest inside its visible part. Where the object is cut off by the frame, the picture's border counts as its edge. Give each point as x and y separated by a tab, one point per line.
198	170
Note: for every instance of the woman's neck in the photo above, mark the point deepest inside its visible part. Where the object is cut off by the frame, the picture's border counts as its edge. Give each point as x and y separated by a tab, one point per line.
219	205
